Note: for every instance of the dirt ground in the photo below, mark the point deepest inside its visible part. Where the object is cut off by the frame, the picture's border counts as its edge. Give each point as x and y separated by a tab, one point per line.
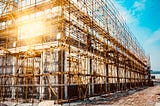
149	96
146	97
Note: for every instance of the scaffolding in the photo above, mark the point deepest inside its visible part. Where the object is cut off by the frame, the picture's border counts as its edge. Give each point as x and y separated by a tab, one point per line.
65	50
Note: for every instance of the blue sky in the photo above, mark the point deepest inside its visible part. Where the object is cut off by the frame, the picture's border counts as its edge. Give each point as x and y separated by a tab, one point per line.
143	18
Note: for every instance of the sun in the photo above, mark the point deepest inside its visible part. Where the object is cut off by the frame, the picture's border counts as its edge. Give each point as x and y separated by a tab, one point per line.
31	30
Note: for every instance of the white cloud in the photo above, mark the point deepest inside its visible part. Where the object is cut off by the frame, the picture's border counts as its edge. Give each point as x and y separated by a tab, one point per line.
139	5
154	49
128	17
131	14
154	38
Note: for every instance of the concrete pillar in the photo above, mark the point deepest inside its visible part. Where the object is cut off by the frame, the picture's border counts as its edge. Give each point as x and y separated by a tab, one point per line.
117	69
92	78
61	57
65	88
41	88
125	79
89	72
14	63
107	79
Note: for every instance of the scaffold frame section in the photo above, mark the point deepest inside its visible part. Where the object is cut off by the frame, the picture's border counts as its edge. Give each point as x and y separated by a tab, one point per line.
65	50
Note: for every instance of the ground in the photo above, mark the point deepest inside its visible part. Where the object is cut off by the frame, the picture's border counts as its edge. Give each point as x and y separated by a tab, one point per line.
148	96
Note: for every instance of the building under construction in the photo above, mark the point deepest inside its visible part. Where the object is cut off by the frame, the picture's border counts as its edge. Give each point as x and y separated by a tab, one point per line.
65	50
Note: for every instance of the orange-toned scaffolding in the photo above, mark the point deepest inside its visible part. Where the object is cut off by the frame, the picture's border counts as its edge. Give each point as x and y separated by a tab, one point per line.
64	50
